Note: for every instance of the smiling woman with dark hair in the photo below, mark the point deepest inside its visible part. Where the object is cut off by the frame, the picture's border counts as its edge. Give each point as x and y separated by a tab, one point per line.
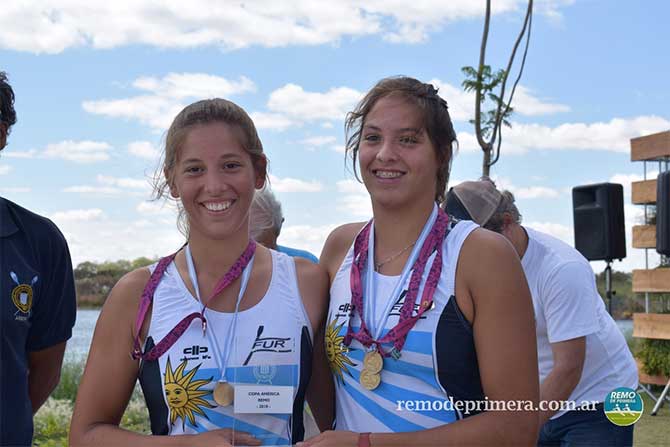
422	310
220	315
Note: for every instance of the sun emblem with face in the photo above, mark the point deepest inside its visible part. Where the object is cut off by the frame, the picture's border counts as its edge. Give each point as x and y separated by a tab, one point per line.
183	394
336	350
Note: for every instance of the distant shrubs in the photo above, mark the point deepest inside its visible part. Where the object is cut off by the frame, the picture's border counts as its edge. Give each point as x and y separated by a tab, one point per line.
93	281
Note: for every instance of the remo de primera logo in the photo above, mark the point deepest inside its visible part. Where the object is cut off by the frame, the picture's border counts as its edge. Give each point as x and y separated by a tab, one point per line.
623	406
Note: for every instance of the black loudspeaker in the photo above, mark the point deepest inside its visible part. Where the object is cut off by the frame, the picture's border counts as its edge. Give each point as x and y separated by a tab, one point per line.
663	213
600	233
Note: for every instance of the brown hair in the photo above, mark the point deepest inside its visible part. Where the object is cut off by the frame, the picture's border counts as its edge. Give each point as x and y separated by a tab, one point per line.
199	113
436	121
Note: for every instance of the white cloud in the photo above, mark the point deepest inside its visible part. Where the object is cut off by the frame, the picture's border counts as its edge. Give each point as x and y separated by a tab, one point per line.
40	27
126	183
525	103
356	205
288	184
143	149
291	104
113	186
193	85
156	208
462	104
105	239
613	135
350	186
300	106
306	237
312	143
559	231
82	152
78	151
526	192
15	190
271	121
354	200
95	190
31	153
5	169
86	215
165	97
536	192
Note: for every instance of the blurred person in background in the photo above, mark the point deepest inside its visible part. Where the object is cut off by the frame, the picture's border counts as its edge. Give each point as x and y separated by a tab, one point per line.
265	222
582	354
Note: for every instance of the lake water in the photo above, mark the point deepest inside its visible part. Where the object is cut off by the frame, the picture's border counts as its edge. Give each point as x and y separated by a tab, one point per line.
82	333
77	347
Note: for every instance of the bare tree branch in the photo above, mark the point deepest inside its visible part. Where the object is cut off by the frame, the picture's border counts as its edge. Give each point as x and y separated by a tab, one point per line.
482	57
499	113
500	116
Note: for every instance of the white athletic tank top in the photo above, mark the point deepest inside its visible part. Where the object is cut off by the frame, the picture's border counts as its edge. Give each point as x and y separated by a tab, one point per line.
438	361
272	345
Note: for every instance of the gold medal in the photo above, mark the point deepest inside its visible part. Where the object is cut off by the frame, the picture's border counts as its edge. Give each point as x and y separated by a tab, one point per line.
224	394
373	362
370	380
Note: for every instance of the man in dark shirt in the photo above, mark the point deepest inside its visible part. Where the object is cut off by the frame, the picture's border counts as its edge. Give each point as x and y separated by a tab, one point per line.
37	305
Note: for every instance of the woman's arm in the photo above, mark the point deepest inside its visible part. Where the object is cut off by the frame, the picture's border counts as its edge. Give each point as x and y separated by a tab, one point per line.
489	275
313	283
109	378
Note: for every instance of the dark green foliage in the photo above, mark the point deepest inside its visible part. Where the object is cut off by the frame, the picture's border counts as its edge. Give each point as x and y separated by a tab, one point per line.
490	81
94	281
655	356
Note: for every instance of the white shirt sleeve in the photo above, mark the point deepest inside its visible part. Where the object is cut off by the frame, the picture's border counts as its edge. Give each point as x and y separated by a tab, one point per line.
569	302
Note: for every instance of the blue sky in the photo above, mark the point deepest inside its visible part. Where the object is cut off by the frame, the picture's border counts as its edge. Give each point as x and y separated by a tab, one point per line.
97	85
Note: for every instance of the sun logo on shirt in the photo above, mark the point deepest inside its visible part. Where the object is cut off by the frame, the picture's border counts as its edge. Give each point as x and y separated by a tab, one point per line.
183	394
336	350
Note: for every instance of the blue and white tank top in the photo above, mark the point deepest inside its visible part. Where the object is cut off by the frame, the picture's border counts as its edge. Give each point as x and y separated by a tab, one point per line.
438	363
272	345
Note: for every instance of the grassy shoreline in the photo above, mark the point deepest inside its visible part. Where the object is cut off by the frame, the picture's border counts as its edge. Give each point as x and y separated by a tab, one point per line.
52	421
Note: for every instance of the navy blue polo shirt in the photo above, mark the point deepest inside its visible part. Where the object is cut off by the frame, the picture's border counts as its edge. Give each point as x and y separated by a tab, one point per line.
37	308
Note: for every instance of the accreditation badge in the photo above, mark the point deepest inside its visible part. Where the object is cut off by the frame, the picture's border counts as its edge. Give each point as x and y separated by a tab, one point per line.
265	384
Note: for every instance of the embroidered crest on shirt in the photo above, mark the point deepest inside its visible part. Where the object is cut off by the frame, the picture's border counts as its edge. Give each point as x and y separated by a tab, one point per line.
22	297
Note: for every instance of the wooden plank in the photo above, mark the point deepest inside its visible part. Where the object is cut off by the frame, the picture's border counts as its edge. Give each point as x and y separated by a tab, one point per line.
655	326
644	236
656	280
644	192
650	147
650	380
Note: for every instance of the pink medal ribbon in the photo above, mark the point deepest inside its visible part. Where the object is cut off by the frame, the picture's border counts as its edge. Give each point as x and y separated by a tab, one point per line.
147	297
398	334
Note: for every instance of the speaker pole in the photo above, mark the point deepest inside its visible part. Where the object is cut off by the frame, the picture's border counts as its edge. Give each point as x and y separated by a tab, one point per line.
609	293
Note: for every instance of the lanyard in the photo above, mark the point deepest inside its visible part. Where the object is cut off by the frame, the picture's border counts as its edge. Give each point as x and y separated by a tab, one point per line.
398	334
176	332
222	363
377	327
